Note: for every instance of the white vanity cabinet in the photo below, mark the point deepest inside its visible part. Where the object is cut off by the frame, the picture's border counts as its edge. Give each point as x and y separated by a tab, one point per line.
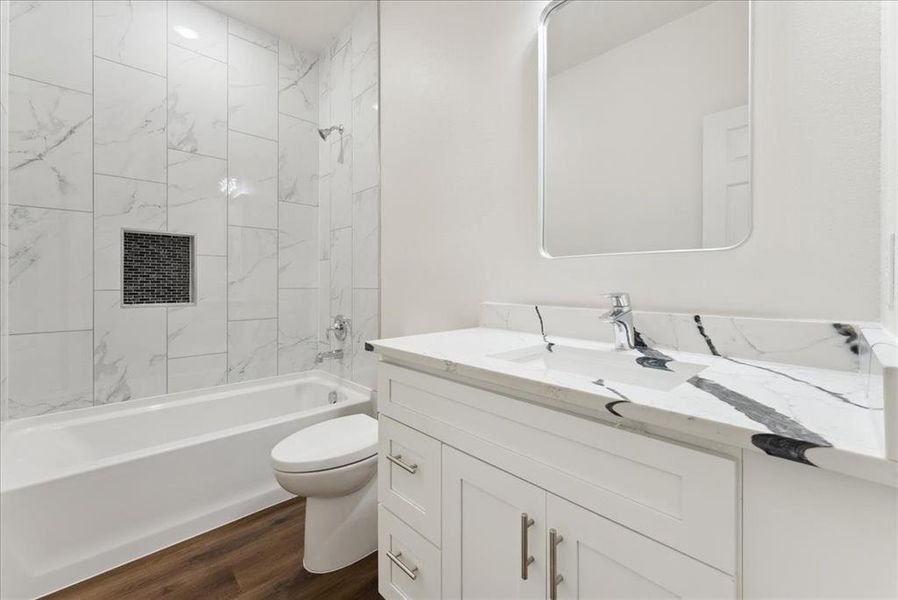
635	516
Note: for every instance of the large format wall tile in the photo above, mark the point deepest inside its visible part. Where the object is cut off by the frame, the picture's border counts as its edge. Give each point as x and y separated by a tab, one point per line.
252	273
252	88
203	328
297	83
341	92
364	48
252	187
366	239
197	103
297	161
197	200
253	34
51	42
341	271
341	182
252	349
325	316
122	204
50	270
366	326
129	350
197	372
50	372
297	330
324	148
50	146
199	28
129	122
131	32
324	216
298	246
365	167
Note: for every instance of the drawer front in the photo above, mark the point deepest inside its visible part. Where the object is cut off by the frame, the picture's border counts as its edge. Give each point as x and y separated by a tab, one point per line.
408	566
408	476
682	497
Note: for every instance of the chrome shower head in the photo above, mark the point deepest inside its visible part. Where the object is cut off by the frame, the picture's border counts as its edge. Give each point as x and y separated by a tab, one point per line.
329	130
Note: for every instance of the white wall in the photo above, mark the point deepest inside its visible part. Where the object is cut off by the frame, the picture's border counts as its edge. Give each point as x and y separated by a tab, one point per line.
625	133
459	174
889	175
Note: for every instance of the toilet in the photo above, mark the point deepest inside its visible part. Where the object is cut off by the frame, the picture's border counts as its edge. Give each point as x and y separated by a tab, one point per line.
333	464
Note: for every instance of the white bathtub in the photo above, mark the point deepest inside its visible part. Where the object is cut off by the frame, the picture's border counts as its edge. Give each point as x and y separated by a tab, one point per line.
85	491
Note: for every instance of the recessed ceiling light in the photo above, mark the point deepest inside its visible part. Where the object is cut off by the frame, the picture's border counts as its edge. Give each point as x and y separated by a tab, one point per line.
186	32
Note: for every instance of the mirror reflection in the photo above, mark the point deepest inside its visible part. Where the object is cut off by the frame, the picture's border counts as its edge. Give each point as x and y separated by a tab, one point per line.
646	139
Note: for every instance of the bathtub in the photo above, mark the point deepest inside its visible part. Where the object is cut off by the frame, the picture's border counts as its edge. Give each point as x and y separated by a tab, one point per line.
87	490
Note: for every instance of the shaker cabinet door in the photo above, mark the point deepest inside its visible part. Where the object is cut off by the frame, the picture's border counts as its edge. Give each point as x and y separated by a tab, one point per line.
599	559
493	532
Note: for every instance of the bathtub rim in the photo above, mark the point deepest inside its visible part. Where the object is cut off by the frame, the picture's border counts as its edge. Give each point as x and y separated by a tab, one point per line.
359	395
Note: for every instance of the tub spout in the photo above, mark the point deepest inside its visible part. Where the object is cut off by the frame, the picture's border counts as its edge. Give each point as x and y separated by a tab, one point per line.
333	354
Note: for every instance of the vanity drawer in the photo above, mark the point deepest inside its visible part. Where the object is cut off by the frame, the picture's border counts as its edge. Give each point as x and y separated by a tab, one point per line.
408	566
408	476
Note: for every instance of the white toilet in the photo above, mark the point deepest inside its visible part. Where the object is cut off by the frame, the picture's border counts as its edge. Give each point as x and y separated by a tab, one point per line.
334	465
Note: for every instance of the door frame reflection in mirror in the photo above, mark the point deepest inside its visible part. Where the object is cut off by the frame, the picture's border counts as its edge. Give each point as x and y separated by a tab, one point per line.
542	109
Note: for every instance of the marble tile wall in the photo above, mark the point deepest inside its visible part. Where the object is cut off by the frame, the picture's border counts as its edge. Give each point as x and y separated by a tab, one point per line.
118	120
349	193
4	206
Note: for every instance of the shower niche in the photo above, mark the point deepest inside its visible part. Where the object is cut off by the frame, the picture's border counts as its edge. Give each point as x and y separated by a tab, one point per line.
157	268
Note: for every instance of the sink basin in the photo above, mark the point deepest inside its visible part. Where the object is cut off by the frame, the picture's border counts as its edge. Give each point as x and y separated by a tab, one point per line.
619	367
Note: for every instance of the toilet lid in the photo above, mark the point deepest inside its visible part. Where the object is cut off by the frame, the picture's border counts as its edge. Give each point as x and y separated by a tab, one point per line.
327	445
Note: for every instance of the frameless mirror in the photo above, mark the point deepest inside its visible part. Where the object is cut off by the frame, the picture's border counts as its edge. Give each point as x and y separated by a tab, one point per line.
645	139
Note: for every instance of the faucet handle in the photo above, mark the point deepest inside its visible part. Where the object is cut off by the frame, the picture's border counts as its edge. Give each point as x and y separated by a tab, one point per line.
619	299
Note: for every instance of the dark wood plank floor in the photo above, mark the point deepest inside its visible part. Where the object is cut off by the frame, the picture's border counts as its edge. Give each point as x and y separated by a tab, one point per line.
257	557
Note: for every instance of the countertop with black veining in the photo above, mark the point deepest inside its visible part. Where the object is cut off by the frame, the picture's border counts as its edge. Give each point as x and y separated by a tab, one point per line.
815	416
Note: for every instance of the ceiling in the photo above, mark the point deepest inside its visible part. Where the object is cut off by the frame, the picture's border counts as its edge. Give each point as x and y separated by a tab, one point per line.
308	24
580	30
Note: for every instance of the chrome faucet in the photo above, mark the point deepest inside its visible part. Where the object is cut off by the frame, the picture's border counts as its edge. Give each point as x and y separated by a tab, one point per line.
621	318
340	327
334	354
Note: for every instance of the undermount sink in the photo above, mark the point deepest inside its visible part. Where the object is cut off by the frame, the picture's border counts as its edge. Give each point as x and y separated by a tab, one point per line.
619	367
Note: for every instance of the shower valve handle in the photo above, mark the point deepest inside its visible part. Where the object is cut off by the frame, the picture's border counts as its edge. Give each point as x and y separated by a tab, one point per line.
340	327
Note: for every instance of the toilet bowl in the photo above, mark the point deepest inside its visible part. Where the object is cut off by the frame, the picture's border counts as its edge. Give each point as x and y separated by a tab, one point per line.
333	464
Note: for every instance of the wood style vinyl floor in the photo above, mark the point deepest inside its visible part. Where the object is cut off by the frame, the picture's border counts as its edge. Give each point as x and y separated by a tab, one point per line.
257	557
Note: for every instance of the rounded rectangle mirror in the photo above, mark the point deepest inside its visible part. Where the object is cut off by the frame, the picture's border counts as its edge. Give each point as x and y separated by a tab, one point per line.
644	126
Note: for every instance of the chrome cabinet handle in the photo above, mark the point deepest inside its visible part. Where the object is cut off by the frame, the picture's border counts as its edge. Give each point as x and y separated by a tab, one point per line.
411	572
526	559
554	577
397	460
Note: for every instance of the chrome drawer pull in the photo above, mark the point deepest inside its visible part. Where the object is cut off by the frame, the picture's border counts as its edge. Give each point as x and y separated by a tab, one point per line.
526	559
397	460
554	577
412	573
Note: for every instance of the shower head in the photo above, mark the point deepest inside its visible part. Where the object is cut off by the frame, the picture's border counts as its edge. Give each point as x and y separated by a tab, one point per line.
329	130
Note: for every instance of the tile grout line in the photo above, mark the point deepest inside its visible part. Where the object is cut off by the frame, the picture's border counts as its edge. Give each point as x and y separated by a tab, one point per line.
93	208
165	130
228	201
277	196
121	64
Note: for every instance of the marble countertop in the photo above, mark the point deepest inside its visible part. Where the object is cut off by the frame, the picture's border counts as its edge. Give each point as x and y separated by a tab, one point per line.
814	416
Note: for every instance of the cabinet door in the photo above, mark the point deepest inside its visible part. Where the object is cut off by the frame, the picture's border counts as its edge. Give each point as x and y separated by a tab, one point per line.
485	534
597	558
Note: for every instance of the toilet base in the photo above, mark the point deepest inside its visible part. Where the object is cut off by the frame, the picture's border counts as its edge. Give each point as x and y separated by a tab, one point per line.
340	530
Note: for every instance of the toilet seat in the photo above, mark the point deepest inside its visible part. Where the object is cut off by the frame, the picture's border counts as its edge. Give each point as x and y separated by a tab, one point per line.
327	445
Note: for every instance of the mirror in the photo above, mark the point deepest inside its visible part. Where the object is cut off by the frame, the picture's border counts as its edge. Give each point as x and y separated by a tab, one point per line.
645	139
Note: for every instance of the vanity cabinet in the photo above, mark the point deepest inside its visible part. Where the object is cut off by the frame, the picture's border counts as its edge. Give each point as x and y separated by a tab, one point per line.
474	487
